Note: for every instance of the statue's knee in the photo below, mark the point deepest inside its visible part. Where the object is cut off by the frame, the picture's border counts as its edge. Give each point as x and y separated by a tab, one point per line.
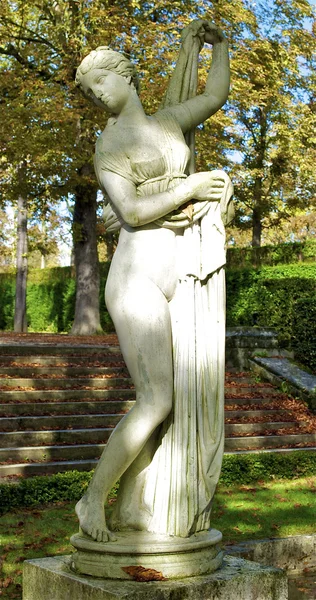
164	409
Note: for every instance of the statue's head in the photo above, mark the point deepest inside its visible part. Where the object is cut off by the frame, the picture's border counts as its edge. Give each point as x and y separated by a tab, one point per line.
109	60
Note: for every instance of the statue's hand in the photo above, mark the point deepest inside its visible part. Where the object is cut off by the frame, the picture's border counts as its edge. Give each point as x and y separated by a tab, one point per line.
212	34
206	186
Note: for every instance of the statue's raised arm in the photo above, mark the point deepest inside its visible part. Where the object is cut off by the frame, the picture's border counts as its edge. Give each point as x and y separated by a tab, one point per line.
190	109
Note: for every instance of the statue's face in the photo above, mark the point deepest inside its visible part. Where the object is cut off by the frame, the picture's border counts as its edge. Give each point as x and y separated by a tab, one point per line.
108	90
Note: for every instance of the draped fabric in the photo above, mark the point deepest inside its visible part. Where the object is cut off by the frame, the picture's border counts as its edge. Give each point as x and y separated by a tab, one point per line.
172	482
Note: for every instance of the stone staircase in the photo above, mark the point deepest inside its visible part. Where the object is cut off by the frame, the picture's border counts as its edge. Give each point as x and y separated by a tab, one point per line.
59	404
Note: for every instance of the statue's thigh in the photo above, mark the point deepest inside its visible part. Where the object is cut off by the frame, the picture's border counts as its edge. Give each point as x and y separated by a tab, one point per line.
141	316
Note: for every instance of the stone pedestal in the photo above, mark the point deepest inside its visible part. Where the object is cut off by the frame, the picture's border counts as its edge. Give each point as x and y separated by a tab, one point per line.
238	579
174	557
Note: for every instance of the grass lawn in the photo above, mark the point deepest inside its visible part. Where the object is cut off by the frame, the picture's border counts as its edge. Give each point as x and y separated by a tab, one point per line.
275	509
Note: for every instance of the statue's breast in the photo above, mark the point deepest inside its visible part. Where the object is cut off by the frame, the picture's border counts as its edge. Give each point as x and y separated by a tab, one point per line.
146	166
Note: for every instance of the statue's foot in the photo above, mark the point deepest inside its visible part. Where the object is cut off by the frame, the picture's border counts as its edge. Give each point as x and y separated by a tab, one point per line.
92	520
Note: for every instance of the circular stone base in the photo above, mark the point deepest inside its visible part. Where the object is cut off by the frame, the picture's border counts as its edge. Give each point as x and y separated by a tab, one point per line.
173	557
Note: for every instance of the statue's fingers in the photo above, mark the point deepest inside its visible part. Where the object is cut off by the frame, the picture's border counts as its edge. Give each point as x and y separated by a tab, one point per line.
217	184
214	196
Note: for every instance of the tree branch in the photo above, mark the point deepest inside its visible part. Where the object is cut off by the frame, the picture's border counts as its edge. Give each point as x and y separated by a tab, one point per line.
250	128
37	39
12	51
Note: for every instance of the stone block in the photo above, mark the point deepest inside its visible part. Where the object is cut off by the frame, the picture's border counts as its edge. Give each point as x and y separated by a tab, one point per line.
238	579
293	554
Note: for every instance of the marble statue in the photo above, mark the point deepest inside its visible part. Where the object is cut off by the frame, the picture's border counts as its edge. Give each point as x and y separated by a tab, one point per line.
165	293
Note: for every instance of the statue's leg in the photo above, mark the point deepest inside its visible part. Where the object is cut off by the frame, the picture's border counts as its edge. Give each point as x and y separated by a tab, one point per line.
141	316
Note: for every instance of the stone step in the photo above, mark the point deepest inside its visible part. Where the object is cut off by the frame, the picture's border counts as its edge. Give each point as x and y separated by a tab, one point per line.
51	453
70	372
269	441
48	454
94	389
243	429
249	380
67	395
242	401
38	364
65	408
79	433
69	383
84	457
109	406
251	389
27	470
88	421
37	423
53	361
54	437
17	349
255	414
26	397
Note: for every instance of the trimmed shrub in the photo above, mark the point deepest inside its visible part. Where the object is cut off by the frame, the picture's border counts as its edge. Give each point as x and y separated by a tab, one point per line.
41	490
272	255
7	301
236	469
50	300
249	468
304	331
270	297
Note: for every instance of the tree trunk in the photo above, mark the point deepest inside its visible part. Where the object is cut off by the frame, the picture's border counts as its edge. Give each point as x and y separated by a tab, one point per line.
20	323
87	310
256	228
257	213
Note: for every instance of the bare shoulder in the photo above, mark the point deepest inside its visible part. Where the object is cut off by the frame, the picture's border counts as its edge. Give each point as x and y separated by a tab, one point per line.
110	141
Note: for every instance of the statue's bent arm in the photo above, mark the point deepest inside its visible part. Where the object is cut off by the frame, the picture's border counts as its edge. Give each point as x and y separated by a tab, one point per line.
136	212
196	110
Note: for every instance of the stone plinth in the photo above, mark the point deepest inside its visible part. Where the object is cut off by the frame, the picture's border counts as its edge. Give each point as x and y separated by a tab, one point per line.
238	579
172	556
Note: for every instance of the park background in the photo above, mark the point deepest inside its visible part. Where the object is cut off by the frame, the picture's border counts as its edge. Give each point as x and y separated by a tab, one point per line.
264	137
55	253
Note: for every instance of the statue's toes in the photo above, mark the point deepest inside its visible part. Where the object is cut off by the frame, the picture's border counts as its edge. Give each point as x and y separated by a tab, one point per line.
100	535
105	536
112	537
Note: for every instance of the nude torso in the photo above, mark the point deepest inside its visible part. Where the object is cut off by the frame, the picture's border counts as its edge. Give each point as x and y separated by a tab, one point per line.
148	251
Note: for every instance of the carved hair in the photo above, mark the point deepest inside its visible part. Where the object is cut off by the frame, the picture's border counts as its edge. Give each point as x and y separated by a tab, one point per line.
105	58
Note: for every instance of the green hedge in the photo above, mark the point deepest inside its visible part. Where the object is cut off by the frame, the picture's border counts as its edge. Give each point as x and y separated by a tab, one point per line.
304	331
281	297
249	468
272	255
236	469
50	300
7	299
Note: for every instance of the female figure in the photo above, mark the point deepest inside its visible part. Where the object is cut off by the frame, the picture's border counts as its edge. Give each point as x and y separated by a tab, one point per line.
140	163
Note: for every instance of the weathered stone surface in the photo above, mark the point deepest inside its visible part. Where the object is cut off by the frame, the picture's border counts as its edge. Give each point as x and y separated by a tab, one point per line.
294	553
174	557
244	342
290	372
52	579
